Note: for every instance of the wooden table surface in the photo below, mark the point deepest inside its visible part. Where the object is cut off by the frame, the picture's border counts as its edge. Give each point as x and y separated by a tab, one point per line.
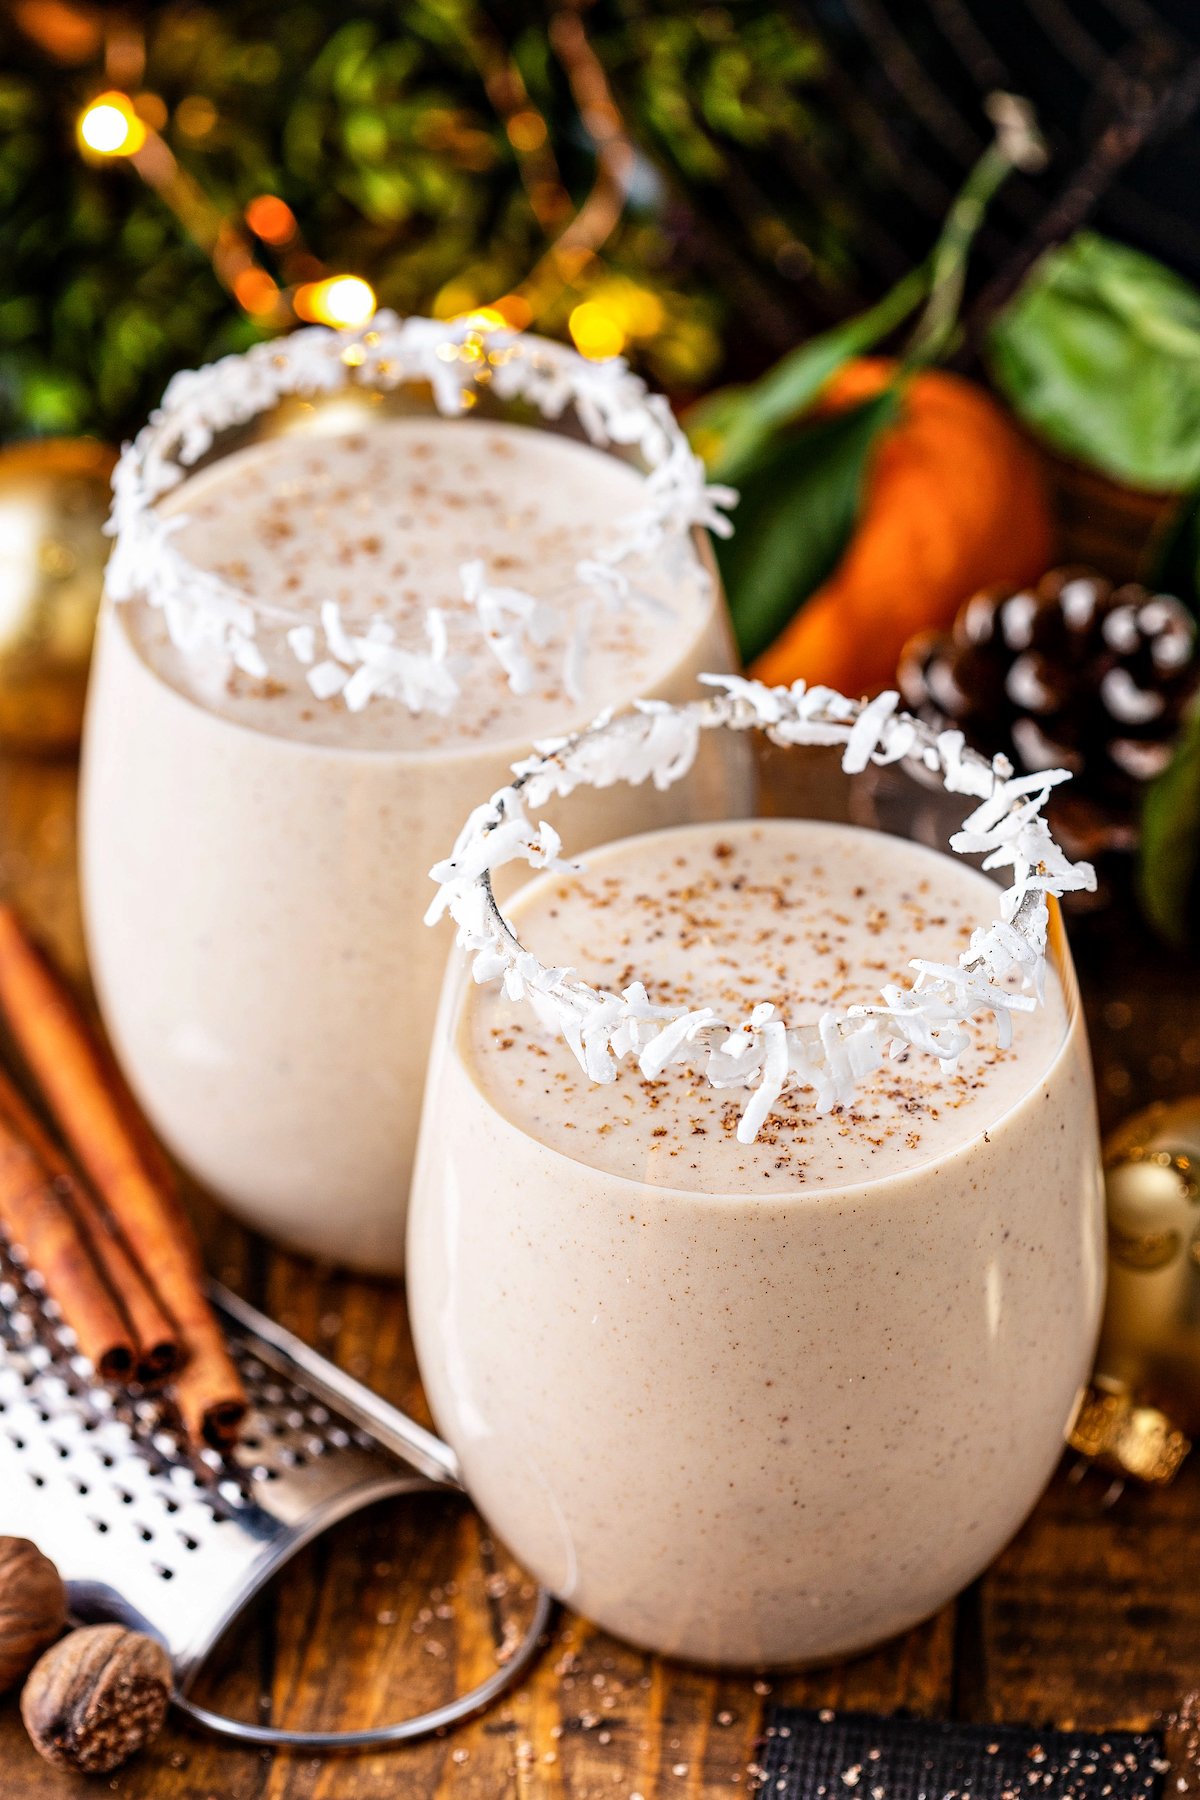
1092	1615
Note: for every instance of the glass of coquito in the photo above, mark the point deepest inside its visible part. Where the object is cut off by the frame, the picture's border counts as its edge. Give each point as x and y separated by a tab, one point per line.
756	1237
354	576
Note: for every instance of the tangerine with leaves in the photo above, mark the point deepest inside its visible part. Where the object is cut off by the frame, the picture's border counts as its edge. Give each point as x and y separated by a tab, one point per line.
954	500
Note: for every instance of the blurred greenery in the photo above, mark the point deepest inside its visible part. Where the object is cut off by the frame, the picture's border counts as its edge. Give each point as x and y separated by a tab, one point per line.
365	135
819	473
705	83
378	131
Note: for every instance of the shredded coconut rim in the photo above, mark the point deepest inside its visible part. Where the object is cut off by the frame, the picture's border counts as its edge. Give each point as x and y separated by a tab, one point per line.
762	1052
355	663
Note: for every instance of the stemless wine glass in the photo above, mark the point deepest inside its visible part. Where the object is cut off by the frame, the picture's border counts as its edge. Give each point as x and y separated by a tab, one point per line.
355	576
770	1402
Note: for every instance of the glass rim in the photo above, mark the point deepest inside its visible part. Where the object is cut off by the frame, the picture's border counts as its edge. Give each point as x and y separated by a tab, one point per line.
761	1052
456	360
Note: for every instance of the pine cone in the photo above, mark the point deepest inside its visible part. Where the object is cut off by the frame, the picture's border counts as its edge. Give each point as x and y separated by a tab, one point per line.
1075	674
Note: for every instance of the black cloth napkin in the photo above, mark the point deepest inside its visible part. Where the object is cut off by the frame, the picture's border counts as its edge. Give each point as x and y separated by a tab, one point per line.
859	1756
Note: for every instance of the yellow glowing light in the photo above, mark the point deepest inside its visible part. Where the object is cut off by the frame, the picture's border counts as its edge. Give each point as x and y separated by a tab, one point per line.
110	127
453	300
635	310
596	333
642	313
485	318
527	130
342	300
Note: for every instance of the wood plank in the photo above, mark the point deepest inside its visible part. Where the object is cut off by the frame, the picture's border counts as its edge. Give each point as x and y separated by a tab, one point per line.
1091	1616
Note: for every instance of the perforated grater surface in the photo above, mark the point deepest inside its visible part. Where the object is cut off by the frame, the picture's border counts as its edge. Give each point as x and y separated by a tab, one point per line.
174	1544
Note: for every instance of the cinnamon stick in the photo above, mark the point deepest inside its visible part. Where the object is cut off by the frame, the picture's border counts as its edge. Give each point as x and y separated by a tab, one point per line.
39	1220
98	1118
158	1353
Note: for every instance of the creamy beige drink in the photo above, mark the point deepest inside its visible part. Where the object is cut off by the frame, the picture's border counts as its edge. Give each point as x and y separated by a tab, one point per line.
766	1402
257	839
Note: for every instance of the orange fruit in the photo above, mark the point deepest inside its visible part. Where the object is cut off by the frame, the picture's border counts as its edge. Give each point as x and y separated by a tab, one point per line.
955	501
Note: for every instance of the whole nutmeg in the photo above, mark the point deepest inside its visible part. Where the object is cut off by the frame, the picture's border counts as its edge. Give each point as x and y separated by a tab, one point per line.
33	1607
96	1697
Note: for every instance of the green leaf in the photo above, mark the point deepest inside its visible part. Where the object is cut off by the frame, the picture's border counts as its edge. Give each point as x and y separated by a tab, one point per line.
1169	857
800	501
1099	353
731	426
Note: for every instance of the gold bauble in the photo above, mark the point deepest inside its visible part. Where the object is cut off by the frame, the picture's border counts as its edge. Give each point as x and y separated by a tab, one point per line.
1144	1404
54	498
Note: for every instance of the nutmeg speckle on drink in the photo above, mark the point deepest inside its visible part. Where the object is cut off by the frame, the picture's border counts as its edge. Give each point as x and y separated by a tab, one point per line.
762	911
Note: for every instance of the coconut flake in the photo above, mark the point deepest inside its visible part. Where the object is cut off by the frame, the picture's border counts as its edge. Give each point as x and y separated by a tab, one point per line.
302	641
761	1053
456	358
326	679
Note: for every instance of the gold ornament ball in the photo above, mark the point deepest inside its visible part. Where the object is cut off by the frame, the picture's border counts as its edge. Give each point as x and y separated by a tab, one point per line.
1144	1404
54	498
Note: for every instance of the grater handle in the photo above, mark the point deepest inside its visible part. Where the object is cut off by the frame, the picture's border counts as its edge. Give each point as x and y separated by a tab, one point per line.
378	1737
289	1355
281	1350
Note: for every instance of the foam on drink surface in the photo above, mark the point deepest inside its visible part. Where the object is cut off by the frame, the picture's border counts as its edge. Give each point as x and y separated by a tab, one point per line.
806	915
380	518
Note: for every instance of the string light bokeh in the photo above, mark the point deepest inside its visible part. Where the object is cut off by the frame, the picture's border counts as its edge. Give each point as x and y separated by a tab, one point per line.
109	126
456	162
115	125
112	125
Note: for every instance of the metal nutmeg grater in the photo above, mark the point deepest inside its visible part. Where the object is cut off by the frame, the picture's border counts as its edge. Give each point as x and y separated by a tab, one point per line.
147	1534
